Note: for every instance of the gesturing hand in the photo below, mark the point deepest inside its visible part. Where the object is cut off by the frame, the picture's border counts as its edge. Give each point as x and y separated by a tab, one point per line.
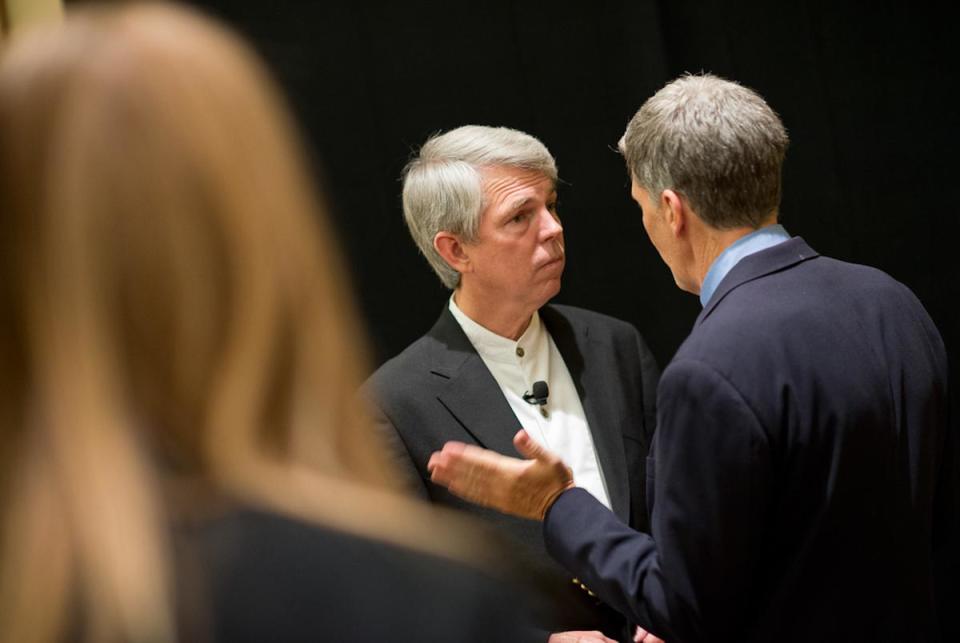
592	636
524	488
643	636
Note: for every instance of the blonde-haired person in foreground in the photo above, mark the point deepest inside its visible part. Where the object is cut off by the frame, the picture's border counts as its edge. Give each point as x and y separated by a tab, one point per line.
180	454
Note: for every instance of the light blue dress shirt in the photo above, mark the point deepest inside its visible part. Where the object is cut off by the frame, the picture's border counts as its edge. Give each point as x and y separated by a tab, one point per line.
758	240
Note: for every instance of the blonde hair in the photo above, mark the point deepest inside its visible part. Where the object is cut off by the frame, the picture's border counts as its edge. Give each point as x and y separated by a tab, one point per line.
170	291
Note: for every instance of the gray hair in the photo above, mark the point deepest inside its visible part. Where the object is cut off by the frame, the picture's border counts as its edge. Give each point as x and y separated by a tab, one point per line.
715	142
443	188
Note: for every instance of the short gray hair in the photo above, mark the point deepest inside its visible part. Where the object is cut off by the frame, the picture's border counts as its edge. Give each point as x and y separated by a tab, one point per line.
715	142
443	188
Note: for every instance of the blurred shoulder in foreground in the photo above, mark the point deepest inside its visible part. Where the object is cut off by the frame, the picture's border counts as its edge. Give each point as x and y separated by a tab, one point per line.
179	449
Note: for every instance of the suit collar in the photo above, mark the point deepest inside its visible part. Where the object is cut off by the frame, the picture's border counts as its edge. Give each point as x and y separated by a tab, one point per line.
779	257
471	394
452	347
474	398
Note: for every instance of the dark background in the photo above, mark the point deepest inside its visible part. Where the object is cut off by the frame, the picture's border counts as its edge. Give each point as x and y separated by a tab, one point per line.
865	90
862	90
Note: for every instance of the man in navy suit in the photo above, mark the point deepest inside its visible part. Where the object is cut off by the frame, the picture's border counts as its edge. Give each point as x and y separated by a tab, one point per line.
792	478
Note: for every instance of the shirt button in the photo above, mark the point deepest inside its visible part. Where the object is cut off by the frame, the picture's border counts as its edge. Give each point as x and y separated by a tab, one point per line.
519	351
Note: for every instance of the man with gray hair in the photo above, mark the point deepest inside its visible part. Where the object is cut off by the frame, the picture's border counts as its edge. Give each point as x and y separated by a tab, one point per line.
481	204
800	425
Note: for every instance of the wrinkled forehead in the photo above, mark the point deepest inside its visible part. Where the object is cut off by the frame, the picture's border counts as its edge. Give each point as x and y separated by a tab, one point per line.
508	186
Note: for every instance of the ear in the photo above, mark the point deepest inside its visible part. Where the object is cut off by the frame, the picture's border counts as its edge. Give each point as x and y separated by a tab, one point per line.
452	251
675	211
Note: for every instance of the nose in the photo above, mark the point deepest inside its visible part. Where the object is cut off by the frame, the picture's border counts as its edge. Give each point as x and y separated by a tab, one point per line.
550	225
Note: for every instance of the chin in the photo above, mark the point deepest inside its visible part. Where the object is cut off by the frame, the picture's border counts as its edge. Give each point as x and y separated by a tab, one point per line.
553	290
546	293
691	288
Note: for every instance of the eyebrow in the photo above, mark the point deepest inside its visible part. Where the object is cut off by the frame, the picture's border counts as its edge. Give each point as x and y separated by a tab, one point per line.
522	201
519	203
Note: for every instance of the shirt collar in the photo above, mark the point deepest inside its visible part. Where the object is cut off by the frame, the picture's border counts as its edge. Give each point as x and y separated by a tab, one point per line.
756	241
495	347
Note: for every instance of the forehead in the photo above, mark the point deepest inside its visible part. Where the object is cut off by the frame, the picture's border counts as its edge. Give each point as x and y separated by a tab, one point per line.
505	186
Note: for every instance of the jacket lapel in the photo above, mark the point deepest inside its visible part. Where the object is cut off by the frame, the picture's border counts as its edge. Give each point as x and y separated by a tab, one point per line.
596	383
779	257
469	391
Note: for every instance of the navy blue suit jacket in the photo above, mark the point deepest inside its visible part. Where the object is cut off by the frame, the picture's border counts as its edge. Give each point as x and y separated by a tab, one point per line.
792	475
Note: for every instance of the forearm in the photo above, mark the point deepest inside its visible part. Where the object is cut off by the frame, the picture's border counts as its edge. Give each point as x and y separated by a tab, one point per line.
614	561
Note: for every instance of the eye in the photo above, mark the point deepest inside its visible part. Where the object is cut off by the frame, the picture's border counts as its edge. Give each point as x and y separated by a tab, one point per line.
552	206
520	218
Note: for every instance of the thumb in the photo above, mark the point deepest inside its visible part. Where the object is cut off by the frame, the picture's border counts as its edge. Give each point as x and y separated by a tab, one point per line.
530	448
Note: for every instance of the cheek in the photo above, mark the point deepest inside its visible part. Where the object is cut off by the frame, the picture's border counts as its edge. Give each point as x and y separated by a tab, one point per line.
507	259
648	227
645	219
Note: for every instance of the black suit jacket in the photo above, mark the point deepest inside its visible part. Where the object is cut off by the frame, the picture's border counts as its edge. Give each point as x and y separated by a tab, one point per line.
795	462
439	389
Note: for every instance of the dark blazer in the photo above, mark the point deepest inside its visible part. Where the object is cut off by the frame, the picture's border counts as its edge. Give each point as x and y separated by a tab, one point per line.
439	389
795	460
250	575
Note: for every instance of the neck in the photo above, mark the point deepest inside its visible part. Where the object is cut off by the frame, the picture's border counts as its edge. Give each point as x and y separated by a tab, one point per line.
504	318
712	243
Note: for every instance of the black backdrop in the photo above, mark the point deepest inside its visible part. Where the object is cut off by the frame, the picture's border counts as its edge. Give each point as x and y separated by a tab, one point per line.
864	90
863	93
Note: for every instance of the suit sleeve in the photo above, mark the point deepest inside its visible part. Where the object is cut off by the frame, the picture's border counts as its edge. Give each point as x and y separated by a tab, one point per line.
689	580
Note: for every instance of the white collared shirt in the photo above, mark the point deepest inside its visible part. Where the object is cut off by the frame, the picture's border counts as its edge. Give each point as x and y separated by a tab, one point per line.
516	365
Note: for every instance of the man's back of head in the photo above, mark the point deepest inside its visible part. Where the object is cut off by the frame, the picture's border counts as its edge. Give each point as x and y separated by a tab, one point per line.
715	142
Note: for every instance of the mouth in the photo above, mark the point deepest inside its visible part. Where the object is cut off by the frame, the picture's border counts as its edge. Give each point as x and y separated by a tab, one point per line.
561	254
553	262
